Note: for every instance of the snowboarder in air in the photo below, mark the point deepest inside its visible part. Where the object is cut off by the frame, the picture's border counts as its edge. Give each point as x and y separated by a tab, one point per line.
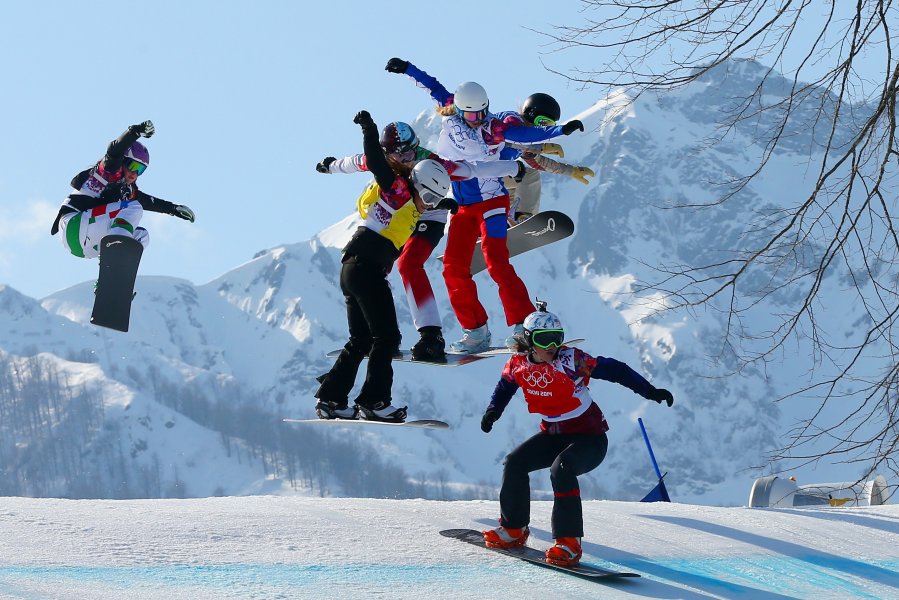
540	110
401	144
469	131
390	207
106	200
572	439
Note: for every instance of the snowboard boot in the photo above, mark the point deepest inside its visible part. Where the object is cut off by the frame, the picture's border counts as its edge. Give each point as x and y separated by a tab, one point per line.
473	341
517	338
330	410
521	217
431	347
503	537
382	411
566	553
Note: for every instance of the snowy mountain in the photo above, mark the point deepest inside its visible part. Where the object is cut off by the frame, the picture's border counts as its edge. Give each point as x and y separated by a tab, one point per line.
188	403
271	547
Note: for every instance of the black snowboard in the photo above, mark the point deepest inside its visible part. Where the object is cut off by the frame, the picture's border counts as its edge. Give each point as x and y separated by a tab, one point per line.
541	229
452	360
119	259
420	423
536	557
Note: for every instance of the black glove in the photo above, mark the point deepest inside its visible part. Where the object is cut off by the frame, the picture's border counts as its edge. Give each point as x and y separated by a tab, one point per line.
325	164
572	126
144	129
522	169
364	120
448	204
185	213
397	65
488	420
661	395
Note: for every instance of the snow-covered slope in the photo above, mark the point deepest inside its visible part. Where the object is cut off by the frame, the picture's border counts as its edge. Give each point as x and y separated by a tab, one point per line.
193	393
276	547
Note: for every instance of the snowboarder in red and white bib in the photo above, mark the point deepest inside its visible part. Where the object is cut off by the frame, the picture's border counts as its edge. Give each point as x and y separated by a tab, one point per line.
572	440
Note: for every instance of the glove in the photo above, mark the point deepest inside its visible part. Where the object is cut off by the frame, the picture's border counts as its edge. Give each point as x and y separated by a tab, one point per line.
553	149
572	126
448	204
661	395
144	129
582	173
184	212
364	120
325	165
522	169
488	420
396	65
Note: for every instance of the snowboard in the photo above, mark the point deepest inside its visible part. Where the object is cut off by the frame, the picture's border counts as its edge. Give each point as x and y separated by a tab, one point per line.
119	260
498	350
452	360
536	557
541	229
420	423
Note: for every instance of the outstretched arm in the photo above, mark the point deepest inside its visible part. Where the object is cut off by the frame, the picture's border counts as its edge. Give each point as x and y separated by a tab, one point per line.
616	371
421	79
374	153
117	148
154	204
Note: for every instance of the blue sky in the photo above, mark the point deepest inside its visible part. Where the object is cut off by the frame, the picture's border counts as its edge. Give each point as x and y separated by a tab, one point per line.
246	98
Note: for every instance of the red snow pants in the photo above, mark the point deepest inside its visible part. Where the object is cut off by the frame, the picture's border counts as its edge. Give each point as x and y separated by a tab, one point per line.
486	219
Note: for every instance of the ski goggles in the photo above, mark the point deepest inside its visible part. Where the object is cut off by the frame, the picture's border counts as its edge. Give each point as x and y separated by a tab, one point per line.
135	166
547	338
472	116
405	155
429	198
542	121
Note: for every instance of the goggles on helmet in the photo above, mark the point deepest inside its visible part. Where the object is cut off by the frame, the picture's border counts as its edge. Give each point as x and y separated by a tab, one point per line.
542	121
547	338
135	166
472	116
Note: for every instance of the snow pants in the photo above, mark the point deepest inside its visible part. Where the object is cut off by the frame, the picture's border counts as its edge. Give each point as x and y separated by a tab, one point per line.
371	316
487	219
81	232
525	195
411	265
567	455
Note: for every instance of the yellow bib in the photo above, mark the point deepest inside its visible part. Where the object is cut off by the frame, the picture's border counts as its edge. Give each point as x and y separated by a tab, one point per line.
395	225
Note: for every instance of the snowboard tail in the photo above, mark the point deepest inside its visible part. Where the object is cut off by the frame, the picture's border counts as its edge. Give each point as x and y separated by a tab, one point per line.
541	229
536	557
119	260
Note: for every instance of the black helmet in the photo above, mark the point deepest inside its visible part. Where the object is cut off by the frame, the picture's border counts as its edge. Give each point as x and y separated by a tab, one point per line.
540	105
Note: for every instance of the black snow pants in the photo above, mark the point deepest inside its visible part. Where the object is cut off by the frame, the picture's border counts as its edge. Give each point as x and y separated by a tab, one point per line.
567	456
371	316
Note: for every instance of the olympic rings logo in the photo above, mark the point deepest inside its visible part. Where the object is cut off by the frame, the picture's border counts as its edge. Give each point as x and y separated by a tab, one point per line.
539	380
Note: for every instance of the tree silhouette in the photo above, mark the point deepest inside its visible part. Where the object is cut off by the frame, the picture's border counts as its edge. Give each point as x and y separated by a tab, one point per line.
839	83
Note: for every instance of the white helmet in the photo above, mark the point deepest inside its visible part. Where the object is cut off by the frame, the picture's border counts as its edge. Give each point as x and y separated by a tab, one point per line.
431	181
470	97
547	326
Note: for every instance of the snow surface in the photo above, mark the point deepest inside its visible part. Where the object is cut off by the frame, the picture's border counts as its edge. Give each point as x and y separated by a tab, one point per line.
282	547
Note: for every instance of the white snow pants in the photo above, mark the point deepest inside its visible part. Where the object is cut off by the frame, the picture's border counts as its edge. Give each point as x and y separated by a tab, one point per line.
81	232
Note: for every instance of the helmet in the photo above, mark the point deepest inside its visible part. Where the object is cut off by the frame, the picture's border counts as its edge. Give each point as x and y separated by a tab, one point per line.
138	152
470	97
399	138
546	326
431	181
537	105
